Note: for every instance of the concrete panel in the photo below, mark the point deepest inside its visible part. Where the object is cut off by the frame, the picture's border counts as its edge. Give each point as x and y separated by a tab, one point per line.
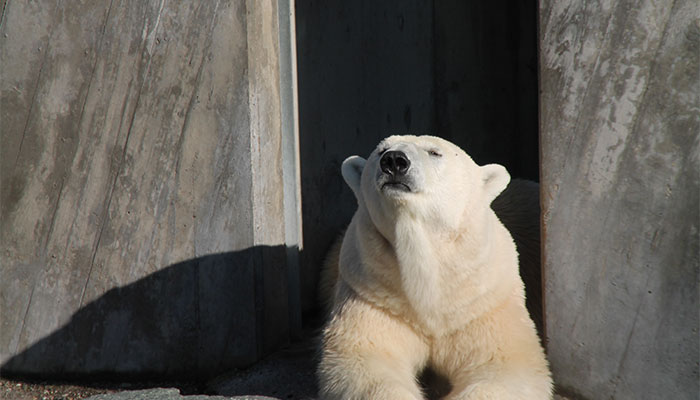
142	216
620	177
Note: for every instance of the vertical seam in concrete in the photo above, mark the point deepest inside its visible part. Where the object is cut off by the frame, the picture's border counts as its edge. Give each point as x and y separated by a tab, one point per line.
53	216
31	104
103	222
618	376
291	178
289	110
24	319
253	117
2	17
542	192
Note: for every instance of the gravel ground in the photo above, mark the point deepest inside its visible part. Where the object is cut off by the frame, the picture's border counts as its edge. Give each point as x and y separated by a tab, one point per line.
16	390
39	390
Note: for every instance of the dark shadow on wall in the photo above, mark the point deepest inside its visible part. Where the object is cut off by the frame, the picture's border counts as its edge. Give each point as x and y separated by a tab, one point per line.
194	320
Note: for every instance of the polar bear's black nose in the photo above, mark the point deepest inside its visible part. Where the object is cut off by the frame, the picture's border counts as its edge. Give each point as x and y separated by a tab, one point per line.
394	163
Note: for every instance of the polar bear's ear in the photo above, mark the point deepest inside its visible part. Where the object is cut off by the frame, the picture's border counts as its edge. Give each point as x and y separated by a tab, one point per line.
352	172
495	178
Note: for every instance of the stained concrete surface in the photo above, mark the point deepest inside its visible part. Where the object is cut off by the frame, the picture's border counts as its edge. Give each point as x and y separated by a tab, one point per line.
620	175
140	143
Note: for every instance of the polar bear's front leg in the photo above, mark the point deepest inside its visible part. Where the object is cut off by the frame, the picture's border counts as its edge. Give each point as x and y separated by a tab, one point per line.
368	354
497	356
514	386
513	376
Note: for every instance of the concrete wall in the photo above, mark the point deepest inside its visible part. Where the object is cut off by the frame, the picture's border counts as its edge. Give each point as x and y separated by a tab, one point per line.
143	153
466	71
143	225
620	174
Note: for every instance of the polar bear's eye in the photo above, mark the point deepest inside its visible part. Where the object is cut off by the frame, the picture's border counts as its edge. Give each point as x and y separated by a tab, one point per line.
434	153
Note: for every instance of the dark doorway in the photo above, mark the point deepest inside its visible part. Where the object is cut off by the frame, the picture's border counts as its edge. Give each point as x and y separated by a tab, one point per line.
465	71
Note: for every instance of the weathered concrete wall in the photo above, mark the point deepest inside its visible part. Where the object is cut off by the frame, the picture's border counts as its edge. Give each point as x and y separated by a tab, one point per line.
143	223
465	71
619	133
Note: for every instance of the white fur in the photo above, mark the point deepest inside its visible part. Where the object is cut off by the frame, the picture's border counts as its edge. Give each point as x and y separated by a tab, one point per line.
429	277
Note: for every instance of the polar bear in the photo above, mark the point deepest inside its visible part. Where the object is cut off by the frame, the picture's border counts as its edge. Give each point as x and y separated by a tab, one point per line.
518	208
428	277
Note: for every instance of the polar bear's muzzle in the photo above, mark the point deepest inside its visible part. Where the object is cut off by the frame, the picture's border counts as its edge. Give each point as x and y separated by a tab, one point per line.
395	166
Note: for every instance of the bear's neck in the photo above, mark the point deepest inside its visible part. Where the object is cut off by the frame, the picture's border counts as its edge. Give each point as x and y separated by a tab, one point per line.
427	269
418	265
430	260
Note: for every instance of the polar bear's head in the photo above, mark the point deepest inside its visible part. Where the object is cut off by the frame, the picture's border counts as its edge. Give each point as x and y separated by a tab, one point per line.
425	178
